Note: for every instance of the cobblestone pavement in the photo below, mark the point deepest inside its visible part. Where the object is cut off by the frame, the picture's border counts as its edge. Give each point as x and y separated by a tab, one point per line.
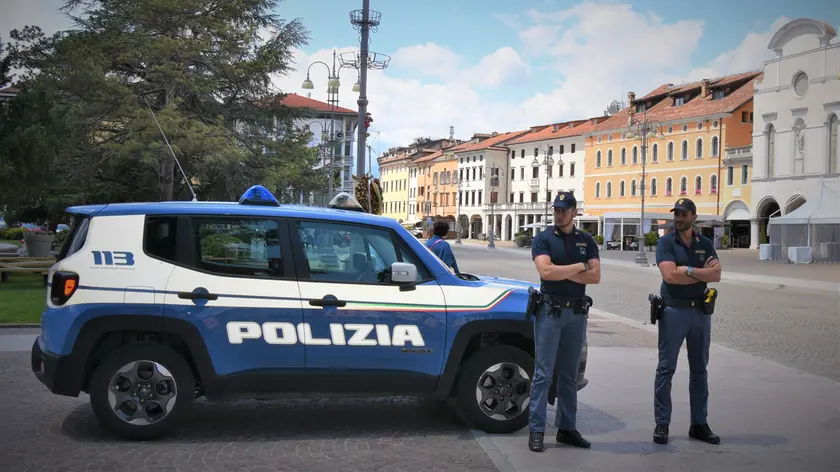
735	260
794	327
43	432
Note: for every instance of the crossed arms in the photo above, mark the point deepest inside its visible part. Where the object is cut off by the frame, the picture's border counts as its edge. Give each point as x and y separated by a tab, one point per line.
673	274
575	272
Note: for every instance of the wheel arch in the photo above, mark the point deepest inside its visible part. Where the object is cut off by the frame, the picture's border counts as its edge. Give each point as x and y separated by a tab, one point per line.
479	334
101	335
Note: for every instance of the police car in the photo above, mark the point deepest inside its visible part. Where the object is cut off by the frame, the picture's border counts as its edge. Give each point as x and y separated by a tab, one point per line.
153	305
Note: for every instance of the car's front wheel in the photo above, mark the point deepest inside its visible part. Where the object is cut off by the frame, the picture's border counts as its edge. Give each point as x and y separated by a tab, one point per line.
494	389
142	391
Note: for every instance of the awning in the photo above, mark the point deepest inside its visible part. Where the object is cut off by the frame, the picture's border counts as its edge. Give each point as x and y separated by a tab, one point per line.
738	214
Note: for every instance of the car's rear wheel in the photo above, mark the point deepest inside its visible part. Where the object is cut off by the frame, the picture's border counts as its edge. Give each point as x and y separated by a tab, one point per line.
142	391
494	389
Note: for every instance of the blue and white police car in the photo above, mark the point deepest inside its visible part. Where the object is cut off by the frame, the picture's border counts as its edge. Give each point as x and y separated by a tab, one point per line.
153	305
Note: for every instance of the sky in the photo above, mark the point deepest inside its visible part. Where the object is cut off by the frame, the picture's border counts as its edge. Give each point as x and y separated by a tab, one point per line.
492	65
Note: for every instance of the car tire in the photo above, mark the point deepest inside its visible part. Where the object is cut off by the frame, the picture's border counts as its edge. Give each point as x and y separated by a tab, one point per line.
143	356
492	362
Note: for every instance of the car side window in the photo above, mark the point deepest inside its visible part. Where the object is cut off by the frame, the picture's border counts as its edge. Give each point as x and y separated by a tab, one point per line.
247	247
337	252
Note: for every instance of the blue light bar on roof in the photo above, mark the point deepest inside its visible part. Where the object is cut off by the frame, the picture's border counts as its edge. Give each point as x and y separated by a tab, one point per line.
258	195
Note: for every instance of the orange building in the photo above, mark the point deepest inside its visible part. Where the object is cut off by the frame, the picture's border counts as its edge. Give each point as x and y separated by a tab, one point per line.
692	126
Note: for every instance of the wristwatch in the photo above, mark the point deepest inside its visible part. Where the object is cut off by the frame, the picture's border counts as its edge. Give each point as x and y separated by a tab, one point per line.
585	266
688	270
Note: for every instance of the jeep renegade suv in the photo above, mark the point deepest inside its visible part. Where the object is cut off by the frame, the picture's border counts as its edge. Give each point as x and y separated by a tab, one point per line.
152	305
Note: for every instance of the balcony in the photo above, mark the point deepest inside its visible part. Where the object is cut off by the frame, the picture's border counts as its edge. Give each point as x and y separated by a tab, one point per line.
534	183
738	155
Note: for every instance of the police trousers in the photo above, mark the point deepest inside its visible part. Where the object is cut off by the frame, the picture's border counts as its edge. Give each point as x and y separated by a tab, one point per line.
557	339
694	326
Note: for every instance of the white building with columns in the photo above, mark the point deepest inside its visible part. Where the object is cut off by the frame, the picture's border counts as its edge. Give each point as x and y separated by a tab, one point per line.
795	130
534	182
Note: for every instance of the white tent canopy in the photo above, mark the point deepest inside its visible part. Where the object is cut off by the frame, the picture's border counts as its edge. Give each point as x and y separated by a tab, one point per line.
822	206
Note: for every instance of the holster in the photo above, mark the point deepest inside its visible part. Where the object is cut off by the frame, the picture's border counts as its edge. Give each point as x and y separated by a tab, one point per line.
709	301
534	300
656	308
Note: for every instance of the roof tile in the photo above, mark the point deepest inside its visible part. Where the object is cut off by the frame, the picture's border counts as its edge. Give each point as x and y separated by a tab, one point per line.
696	107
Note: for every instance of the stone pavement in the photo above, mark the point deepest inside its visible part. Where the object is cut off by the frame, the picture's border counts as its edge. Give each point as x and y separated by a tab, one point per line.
770	418
738	267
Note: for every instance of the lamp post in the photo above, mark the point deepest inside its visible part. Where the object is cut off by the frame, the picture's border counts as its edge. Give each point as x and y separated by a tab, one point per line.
458	184
333	84
495	174
327	141
643	129
548	162
364	21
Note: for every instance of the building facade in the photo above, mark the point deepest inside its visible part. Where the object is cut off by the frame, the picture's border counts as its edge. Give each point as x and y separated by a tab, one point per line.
534	181
394	178
483	171
334	130
797	112
691	126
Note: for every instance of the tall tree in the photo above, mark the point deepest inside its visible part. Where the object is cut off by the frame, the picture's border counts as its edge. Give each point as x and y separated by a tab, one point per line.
202	70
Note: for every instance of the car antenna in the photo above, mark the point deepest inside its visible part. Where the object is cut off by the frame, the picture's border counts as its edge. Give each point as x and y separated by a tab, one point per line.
195	199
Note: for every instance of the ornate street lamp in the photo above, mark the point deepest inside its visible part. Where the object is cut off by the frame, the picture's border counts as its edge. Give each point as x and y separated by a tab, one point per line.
496	173
643	129
333	84
548	162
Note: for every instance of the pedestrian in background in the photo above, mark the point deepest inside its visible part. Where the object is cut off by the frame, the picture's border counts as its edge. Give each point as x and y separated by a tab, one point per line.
567	260
687	261
438	245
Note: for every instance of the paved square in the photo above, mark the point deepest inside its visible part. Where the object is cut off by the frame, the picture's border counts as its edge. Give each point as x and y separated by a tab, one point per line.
770	418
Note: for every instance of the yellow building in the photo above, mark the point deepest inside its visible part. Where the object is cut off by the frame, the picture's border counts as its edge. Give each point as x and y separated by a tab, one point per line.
393	175
693	125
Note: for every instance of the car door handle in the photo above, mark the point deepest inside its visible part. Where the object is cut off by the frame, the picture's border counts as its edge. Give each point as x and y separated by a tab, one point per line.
197	296
328	300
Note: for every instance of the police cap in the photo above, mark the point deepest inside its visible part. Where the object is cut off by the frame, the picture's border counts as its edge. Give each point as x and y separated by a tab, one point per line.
565	200
685	204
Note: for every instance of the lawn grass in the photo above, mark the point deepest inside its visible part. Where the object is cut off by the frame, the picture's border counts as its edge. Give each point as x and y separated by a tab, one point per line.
22	298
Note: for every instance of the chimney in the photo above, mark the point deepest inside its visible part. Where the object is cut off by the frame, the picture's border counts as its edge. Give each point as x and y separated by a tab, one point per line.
704	88
631	97
556	126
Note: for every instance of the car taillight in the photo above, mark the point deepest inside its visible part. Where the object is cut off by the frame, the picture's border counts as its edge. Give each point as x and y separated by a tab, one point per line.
64	285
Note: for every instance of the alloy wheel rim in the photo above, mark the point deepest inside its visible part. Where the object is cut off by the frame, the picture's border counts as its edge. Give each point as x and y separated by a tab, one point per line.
503	391
142	392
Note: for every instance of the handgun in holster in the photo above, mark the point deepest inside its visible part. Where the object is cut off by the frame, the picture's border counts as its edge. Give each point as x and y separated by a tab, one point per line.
534	299
587	304
711	295
655	308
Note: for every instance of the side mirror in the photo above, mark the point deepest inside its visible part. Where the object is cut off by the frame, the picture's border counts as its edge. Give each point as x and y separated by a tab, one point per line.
404	274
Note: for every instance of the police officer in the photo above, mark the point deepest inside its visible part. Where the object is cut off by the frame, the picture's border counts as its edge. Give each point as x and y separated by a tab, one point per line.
687	261
567	259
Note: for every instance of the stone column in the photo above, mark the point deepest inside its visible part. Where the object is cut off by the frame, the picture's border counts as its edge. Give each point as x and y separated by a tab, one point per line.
754	240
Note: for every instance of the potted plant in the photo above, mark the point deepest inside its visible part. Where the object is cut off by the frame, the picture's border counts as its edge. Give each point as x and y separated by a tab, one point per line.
724	241
39	244
651	240
521	238
599	240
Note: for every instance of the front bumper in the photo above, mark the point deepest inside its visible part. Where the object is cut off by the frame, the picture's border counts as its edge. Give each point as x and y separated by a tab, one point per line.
54	371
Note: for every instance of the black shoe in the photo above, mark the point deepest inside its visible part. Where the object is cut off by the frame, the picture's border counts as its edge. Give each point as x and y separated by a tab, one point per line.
703	433
572	438
660	434
535	441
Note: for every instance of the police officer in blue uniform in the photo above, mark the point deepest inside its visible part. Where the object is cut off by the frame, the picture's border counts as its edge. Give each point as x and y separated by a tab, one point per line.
567	260
688	262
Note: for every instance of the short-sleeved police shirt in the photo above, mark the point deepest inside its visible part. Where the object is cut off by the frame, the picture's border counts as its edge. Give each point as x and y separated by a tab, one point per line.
672	248
564	249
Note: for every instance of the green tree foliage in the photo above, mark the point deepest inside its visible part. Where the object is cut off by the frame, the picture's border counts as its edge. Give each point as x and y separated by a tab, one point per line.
83	129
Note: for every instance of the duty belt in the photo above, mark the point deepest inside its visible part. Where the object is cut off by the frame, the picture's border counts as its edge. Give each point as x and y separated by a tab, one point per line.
683	302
